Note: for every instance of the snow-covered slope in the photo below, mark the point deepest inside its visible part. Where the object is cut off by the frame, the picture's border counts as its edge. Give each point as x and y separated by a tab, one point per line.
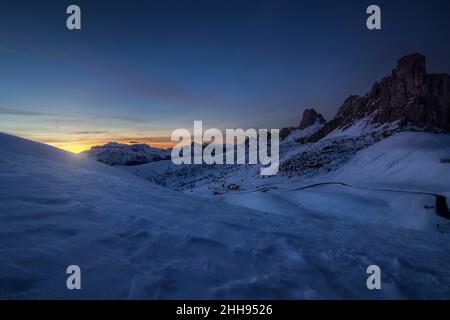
409	160
365	163
297	135
134	239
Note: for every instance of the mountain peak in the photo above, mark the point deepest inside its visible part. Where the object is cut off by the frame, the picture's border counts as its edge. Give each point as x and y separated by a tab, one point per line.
409	96
411	69
311	117
412	64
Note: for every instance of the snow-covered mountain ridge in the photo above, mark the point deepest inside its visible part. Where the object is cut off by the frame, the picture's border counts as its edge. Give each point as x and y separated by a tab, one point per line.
114	153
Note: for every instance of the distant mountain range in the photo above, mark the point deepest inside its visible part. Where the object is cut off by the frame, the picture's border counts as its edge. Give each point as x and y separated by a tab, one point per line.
114	153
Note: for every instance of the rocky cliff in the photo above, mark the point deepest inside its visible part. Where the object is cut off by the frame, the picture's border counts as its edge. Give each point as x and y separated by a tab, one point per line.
409	96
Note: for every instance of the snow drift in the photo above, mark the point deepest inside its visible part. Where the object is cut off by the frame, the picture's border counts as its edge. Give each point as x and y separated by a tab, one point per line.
133	239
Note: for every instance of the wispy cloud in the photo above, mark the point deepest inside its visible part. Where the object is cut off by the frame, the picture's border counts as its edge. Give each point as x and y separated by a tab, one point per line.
148	140
126	80
124	118
16	112
88	132
66	118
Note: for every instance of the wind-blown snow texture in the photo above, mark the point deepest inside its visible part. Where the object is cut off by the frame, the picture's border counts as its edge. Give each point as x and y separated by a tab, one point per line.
135	239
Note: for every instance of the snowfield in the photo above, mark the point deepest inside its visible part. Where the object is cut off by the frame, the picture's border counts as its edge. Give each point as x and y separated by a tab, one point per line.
134	239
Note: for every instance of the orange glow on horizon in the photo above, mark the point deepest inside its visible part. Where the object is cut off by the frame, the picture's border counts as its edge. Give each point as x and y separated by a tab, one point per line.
80	146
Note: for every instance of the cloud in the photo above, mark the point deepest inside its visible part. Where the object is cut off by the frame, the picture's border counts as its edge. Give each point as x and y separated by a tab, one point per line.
88	132
124	78
16	112
148	140
125	118
28	113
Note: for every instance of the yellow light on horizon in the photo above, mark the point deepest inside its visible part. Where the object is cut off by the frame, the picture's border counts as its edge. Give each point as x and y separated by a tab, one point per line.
71	147
80	147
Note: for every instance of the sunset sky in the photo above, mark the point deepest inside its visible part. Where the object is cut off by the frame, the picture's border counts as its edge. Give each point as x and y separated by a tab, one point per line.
140	69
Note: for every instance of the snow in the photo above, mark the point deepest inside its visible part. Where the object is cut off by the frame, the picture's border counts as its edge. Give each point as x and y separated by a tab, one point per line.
386	181
409	160
362	127
114	153
375	207
299	134
134	239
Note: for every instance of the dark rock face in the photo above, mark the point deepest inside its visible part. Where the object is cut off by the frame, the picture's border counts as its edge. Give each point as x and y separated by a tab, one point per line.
311	117
409	96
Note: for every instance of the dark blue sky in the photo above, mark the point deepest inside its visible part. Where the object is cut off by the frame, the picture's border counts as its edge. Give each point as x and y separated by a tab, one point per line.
139	69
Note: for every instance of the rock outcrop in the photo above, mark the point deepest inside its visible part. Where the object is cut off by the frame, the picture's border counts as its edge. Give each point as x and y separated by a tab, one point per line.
409	96
310	118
